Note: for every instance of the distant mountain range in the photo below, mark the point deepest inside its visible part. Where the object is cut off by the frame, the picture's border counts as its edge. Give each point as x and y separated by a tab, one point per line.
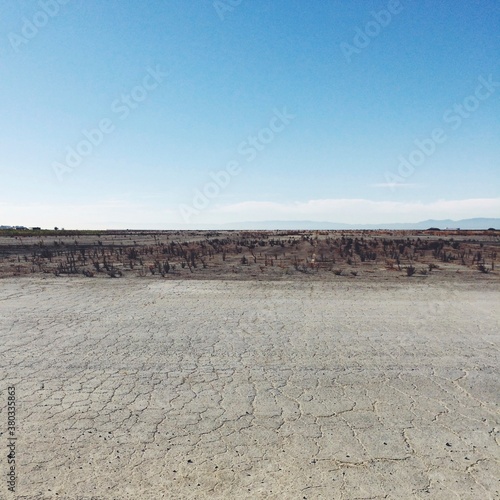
478	223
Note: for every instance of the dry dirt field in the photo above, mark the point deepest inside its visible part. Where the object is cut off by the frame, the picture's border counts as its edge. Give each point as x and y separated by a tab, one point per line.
345	387
250	255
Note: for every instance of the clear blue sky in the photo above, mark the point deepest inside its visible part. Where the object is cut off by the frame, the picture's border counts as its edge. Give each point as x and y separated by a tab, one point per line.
184	89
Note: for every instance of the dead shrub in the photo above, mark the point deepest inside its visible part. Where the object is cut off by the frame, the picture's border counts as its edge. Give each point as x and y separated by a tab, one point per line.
410	270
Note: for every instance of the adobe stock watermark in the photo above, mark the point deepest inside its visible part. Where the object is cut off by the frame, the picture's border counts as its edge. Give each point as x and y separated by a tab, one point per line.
224	6
94	137
363	37
249	149
452	117
31	27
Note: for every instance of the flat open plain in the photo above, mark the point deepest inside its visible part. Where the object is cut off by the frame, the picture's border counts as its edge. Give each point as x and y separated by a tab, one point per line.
148	389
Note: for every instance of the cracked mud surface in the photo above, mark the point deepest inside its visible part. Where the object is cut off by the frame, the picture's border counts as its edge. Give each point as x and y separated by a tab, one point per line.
131	389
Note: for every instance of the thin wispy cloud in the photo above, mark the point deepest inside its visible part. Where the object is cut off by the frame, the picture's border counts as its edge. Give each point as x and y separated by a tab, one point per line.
357	211
122	214
397	185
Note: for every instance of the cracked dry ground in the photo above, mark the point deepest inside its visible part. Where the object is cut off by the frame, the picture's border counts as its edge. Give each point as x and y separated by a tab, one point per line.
147	389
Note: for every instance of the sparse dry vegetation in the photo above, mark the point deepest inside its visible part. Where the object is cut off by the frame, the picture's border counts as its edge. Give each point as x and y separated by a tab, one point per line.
247	254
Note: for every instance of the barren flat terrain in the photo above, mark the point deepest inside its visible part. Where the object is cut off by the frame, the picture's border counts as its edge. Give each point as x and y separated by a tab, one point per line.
250	255
144	388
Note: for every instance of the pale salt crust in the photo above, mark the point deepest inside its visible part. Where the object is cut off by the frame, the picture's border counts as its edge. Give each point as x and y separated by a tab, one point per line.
134	389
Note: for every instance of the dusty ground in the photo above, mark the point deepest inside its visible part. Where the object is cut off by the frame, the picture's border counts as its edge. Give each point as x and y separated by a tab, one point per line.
250	255
146	389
